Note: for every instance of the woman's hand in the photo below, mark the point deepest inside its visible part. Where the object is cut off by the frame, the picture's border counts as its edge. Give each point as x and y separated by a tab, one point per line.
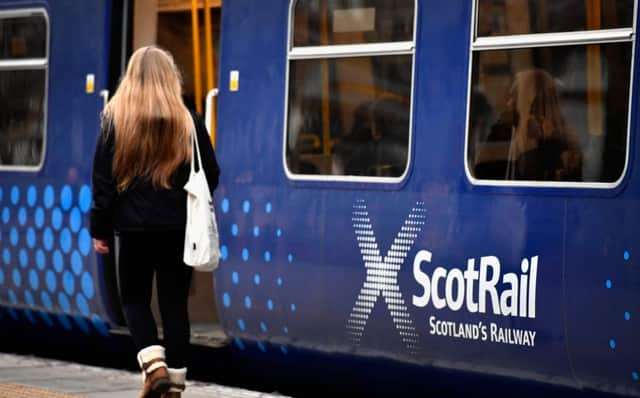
101	246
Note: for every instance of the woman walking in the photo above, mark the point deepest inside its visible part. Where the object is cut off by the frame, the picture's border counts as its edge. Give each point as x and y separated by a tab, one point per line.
141	164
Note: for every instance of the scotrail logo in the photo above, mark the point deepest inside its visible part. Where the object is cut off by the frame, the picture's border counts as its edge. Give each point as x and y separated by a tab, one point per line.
382	274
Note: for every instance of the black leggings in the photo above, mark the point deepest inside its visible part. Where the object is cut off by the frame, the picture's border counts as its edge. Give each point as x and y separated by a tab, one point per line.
141	254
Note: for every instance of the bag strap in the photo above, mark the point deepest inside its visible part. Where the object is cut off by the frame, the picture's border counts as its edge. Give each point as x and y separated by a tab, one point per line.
195	148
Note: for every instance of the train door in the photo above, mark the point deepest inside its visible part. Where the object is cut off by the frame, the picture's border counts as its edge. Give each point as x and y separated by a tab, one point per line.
190	33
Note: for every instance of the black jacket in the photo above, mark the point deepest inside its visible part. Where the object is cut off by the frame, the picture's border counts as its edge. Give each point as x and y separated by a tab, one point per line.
140	206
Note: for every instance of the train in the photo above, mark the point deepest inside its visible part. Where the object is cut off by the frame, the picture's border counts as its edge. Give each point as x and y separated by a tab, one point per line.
443	185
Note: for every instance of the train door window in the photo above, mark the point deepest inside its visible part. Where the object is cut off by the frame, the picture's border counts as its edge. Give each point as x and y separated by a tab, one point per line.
350	90
23	88
550	92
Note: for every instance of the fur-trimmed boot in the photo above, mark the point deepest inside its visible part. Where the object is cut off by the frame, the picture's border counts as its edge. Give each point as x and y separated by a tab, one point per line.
154	372
178	379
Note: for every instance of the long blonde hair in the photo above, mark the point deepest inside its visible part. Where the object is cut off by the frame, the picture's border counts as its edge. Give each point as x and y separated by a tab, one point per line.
151	123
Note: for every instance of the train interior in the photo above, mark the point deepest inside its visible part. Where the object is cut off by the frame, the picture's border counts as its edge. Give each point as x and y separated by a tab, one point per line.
170	24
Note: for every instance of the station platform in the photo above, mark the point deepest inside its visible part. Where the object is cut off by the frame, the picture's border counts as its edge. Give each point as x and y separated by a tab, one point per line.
32	377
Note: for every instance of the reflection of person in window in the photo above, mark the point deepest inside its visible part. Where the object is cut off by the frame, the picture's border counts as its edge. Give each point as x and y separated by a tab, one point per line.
542	146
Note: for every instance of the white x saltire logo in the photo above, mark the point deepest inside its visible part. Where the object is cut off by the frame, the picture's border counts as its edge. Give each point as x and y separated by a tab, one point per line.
382	274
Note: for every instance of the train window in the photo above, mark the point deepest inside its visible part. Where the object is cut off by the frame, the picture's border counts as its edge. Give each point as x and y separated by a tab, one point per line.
23	82
327	22
349	96
550	109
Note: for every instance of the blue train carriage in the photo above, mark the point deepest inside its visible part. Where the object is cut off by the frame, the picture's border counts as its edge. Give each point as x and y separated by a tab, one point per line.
59	60
53	61
446	184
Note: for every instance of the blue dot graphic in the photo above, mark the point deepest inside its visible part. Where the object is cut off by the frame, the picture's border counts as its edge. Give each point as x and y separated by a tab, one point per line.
100	325
40	259
65	240
23	258
268	207
234	230
612	343
634	376
84	198
247	302
56	218
267	256
270	304
246	206
263	327
225	205
285	330
235	278
293	307
39	217
28	298
69	283
627	316
6	215
17	278
290	258
626	256
58	261
46	318
31	238
76	262
239	344
12	297
34	281
245	254
15	195
261	346
88	287
22	216
241	324
84	242
64	321
50	280
256	231
226	300
83	305
1	276
6	256
224	253
283	349
47	239
13	236
75	220
32	196
49	196
82	324
256	279
63	302
279	281
46	301
608	284
66	197
279	233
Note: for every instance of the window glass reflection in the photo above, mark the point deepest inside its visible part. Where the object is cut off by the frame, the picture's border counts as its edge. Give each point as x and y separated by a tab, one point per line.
23	37
550	114
349	116
327	22
22	100
509	17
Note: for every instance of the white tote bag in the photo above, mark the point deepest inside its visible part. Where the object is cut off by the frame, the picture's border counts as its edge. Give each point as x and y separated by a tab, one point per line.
201	242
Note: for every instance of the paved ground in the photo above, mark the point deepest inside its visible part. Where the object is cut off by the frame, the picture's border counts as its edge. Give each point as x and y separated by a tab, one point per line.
18	372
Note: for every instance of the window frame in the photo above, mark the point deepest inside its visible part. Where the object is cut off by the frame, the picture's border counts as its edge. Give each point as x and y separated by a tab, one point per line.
348	51
31	64
532	40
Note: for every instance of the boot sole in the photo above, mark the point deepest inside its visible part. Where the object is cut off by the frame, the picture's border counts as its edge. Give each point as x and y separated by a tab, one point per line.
158	388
